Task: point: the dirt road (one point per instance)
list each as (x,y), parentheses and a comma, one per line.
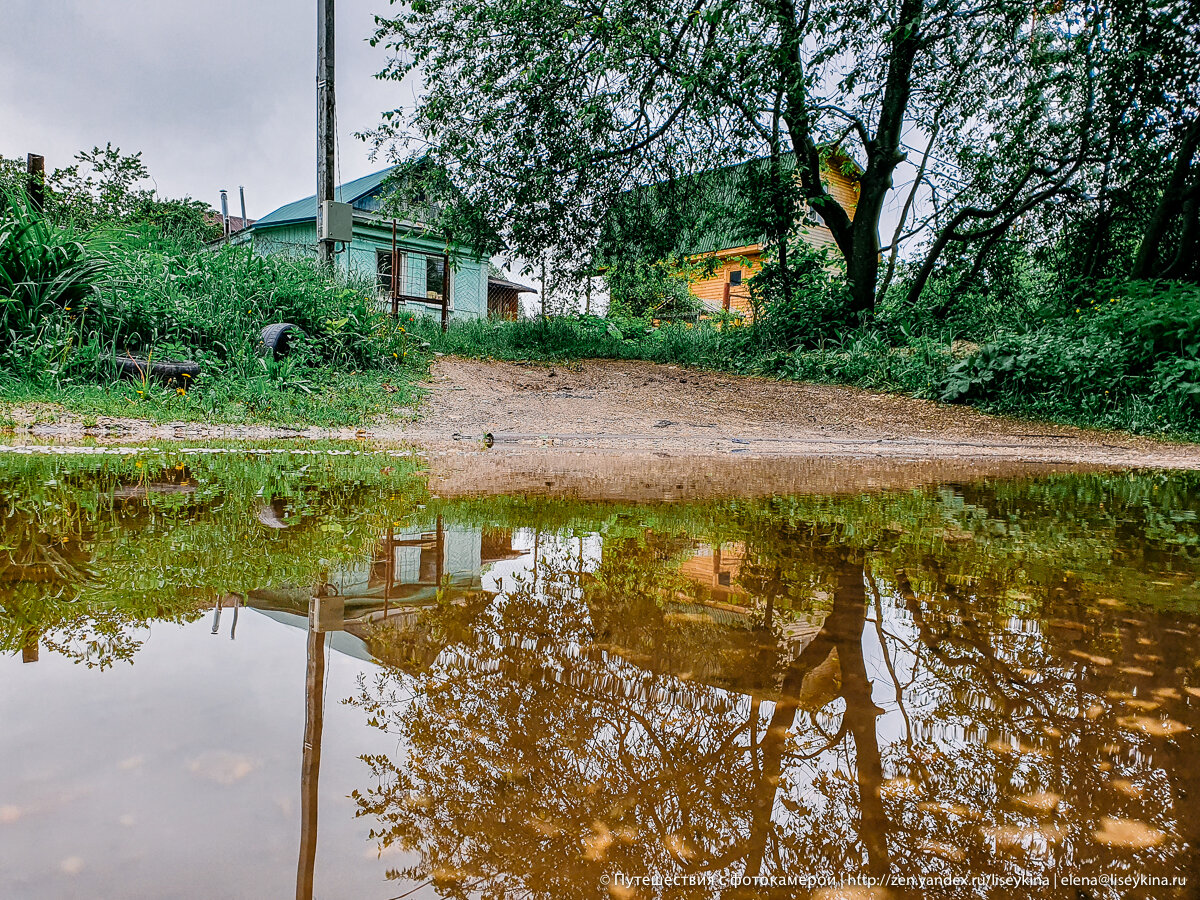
(610,405)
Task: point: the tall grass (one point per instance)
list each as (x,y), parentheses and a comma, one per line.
(72,304)
(48,274)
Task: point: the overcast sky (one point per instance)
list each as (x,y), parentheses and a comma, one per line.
(215,93)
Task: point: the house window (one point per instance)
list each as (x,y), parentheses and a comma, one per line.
(435,277)
(383,271)
(735,276)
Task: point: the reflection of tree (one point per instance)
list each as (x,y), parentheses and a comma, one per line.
(606,727)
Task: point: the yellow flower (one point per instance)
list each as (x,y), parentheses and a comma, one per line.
(181,392)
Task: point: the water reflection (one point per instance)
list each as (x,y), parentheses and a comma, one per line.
(994,679)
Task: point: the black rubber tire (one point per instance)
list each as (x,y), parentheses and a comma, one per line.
(277,340)
(177,371)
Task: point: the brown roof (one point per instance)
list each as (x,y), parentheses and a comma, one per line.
(236,223)
(493,281)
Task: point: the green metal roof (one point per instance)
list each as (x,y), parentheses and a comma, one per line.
(354,192)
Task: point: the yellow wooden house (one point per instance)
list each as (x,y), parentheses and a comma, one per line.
(724,259)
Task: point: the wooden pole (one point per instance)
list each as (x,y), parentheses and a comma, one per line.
(35,181)
(395,273)
(326,120)
(545,291)
(446,291)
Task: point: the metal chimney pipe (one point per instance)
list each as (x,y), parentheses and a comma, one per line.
(225,211)
(242,197)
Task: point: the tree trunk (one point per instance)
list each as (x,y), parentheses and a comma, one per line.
(1168,205)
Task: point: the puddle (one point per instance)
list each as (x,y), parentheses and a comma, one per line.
(270,671)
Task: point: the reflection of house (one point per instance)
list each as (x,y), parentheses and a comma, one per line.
(715,568)
(377,609)
(700,621)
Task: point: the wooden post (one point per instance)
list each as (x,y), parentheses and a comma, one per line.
(35,181)
(395,273)
(545,291)
(725,299)
(446,291)
(326,120)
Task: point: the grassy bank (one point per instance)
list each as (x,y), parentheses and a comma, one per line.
(1125,358)
(74,303)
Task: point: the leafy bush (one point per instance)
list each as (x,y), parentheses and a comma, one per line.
(813,309)
(48,276)
(1128,357)
(641,289)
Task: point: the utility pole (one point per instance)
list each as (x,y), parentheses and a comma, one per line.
(326,120)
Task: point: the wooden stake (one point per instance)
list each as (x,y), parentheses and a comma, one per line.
(35,181)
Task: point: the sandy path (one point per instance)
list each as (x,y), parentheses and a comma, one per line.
(615,406)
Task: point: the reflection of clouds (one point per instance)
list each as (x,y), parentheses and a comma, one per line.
(9,813)
(131,762)
(72,865)
(222,766)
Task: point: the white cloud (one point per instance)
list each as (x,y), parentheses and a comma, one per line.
(214,94)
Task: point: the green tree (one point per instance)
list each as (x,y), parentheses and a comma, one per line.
(548,111)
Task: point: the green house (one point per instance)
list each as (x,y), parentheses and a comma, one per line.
(427,264)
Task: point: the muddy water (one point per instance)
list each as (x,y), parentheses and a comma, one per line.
(256,673)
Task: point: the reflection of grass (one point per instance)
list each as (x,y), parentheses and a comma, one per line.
(1104,530)
(91,546)
(142,553)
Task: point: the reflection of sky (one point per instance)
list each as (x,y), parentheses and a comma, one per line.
(180,776)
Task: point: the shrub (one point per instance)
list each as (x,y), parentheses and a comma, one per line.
(1129,345)
(815,309)
(48,276)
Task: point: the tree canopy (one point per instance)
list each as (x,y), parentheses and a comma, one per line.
(970,121)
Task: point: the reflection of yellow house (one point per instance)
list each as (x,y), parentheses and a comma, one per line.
(715,569)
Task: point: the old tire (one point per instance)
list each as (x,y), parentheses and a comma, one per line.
(171,371)
(279,340)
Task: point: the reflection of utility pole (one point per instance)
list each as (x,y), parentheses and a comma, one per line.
(439,543)
(324,614)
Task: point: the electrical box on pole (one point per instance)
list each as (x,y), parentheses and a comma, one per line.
(336,222)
